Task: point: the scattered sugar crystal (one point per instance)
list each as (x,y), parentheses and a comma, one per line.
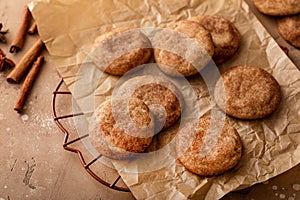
(282,196)
(274,187)
(7,129)
(291,198)
(296,187)
(24,118)
(276,194)
(2,117)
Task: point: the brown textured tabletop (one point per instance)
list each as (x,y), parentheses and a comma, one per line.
(33,164)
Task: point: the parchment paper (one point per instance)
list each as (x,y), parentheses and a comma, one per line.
(271,146)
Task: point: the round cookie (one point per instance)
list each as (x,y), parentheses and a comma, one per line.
(206,152)
(247,92)
(225,36)
(121,49)
(289,29)
(278,7)
(163,98)
(119,137)
(183,49)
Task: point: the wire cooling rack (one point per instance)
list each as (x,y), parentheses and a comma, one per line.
(114,184)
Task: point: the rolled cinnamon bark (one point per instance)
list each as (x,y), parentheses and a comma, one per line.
(33,29)
(25,63)
(19,40)
(28,83)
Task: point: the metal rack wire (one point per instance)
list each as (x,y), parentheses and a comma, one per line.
(67,142)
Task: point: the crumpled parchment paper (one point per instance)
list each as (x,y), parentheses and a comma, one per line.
(271,145)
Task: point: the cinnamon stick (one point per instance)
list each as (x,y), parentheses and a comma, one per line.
(28,83)
(19,40)
(25,63)
(33,29)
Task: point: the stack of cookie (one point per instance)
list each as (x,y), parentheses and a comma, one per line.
(289,17)
(123,126)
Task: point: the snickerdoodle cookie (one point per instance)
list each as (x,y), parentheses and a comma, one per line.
(225,36)
(208,147)
(247,92)
(278,7)
(121,49)
(289,28)
(119,132)
(183,49)
(163,98)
